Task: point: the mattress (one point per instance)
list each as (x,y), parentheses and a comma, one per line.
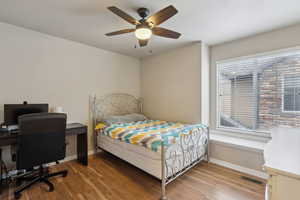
(139,156)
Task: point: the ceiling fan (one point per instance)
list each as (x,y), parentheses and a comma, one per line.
(145,27)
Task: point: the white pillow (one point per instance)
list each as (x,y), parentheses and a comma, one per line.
(124,118)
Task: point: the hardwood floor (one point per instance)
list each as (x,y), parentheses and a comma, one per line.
(109,178)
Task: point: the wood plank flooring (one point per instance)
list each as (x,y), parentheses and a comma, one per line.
(110,178)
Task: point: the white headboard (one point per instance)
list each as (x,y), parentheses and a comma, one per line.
(113,104)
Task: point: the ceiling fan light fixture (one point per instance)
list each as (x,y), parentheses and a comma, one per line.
(143,33)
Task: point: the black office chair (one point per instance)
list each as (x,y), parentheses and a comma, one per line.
(41,141)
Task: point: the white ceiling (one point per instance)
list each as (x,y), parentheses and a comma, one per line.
(212,21)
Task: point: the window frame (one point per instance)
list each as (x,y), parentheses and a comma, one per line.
(282,98)
(236,131)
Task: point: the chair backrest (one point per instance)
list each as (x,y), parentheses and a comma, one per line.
(41,139)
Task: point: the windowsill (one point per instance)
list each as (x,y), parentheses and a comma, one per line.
(241,143)
(246,134)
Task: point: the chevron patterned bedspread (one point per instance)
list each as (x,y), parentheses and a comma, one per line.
(149,133)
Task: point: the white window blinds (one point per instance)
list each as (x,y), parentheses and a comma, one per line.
(259,92)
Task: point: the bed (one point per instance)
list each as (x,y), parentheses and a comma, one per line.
(163,149)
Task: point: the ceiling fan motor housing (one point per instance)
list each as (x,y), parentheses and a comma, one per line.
(143,12)
(144,24)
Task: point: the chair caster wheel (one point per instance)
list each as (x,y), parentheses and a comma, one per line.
(51,189)
(65,174)
(18,183)
(18,195)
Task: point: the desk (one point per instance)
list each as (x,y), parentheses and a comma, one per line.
(80,130)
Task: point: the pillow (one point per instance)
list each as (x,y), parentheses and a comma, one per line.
(134,117)
(124,118)
(99,126)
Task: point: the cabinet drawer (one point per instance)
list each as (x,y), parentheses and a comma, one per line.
(285,188)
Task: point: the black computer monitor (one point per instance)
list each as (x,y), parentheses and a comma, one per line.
(13,111)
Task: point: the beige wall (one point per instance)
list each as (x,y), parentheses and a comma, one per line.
(171,85)
(236,155)
(40,68)
(274,40)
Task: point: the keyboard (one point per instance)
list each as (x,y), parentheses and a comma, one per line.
(12,127)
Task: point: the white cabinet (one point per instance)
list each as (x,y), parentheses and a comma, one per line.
(282,185)
(282,163)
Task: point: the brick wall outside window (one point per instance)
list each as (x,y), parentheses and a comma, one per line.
(271,94)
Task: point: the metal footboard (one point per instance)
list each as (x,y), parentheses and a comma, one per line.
(179,157)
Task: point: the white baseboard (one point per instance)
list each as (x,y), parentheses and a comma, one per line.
(240,168)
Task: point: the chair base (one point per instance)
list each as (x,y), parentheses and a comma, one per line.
(42,177)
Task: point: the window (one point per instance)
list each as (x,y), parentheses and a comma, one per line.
(291,91)
(258,93)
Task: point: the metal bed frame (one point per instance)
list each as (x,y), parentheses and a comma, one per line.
(189,150)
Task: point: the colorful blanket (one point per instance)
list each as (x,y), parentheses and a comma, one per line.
(149,133)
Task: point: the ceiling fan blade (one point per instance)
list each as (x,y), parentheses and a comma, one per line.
(143,43)
(120,32)
(163,32)
(123,15)
(162,15)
